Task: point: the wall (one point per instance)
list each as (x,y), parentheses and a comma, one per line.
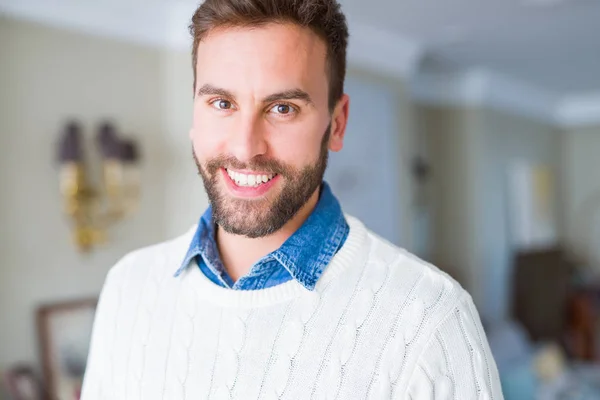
(582,192)
(46,76)
(452,147)
(508,138)
(470,151)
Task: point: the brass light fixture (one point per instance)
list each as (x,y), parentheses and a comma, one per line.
(92,209)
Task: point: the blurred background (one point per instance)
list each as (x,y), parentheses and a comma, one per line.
(474,142)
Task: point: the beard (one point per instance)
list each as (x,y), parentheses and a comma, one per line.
(261,217)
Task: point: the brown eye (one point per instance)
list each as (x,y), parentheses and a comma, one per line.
(283,109)
(224,104)
(221,104)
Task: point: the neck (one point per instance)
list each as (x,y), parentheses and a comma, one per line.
(239,253)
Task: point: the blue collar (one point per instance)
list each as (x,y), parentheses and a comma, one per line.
(304,255)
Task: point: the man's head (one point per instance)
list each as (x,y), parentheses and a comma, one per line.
(268,105)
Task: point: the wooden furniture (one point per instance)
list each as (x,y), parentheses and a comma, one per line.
(541,285)
(583,319)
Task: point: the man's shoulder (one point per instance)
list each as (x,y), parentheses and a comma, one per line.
(423,295)
(163,257)
(426,284)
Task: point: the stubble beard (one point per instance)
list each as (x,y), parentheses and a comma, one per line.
(264,216)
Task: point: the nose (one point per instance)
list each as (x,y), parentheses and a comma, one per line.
(248,139)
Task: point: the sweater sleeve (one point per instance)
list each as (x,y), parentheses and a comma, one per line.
(96,373)
(457,362)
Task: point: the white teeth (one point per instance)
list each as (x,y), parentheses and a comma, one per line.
(249,180)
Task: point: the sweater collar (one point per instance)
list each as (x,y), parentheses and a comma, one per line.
(352,254)
(304,255)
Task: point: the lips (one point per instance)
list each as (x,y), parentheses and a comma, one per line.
(243,179)
(247,185)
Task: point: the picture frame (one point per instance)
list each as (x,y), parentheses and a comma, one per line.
(64,334)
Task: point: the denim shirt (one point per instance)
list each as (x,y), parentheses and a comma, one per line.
(303,256)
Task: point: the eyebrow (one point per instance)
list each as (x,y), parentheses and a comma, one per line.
(298,94)
(293,94)
(208,89)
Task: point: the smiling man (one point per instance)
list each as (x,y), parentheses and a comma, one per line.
(276,293)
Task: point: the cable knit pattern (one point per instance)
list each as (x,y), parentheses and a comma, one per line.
(380,324)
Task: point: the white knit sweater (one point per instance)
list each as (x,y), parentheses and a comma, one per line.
(381,324)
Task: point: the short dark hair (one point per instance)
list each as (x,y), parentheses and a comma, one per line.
(323,17)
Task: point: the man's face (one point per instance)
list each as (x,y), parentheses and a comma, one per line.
(262,126)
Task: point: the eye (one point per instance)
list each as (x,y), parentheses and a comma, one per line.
(221,104)
(283,109)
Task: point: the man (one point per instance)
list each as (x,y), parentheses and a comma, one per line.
(276,293)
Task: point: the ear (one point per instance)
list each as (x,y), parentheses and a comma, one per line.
(339,121)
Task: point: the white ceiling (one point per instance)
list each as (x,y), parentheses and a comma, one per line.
(540,57)
(553,44)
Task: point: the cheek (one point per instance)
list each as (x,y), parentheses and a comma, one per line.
(207,136)
(297,149)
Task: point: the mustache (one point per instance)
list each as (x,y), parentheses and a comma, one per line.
(258,163)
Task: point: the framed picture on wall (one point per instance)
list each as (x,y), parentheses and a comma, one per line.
(532,206)
(64,332)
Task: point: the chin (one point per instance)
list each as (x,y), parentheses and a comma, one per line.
(246,220)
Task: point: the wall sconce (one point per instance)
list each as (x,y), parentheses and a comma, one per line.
(93,209)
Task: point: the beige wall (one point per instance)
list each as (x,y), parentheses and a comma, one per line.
(582,192)
(509,138)
(46,76)
(470,151)
(452,145)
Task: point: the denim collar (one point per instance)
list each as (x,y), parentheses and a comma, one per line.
(305,254)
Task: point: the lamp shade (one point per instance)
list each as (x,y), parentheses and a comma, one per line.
(129,151)
(108,141)
(70,145)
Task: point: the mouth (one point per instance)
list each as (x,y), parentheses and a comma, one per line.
(249,184)
(251,180)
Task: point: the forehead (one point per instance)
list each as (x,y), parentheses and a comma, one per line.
(263,59)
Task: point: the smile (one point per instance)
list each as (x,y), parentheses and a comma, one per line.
(248,179)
